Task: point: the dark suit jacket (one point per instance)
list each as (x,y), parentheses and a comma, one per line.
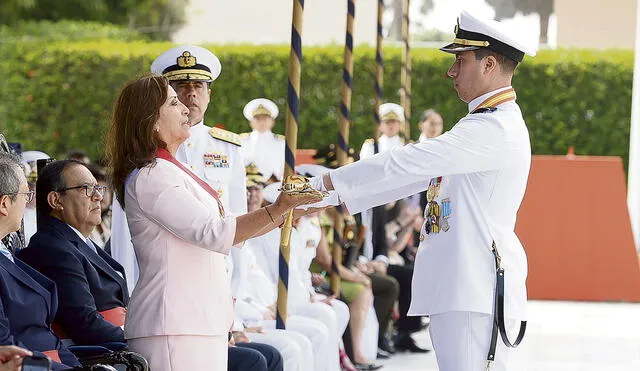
(88,282)
(28,304)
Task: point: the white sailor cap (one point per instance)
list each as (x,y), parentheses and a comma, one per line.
(187,62)
(391,111)
(33,156)
(473,33)
(260,106)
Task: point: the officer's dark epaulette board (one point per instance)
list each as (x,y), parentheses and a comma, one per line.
(226,136)
(484,110)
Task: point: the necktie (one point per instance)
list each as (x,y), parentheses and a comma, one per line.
(91,245)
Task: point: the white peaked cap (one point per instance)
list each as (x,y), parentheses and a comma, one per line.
(391,111)
(473,33)
(187,62)
(260,106)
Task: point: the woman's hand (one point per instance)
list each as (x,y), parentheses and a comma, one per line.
(289,200)
(363,279)
(11,357)
(317,279)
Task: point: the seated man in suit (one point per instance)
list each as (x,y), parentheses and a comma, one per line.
(28,300)
(91,285)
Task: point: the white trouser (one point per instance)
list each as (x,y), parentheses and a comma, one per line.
(461,341)
(369,340)
(313,330)
(295,348)
(342,312)
(327,316)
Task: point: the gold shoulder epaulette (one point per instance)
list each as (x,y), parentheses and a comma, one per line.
(244,135)
(279,136)
(226,136)
(369,141)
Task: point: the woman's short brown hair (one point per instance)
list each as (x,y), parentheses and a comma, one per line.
(131,141)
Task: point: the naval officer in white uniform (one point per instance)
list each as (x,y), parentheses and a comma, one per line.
(391,120)
(213,154)
(261,146)
(475,176)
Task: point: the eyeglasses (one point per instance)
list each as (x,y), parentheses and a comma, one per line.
(29,195)
(89,190)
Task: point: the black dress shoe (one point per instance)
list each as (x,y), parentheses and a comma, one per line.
(383,355)
(385,344)
(368,366)
(405,343)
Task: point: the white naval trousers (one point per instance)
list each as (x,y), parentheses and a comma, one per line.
(461,341)
(295,348)
(369,341)
(313,330)
(328,317)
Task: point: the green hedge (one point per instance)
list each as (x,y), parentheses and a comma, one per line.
(66,30)
(59,96)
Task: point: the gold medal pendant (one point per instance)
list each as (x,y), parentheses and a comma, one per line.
(434,188)
(433,218)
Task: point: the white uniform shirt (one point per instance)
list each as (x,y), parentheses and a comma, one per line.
(266,151)
(422,137)
(229,179)
(484,161)
(266,251)
(310,232)
(30,223)
(385,143)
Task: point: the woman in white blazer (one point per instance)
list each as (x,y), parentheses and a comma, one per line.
(181,309)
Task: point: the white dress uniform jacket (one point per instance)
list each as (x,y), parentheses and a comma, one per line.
(228,177)
(181,241)
(385,143)
(266,151)
(484,161)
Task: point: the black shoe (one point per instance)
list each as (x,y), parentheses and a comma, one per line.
(405,343)
(367,366)
(386,345)
(383,354)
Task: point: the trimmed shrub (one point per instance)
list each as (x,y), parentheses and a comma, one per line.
(59,96)
(66,30)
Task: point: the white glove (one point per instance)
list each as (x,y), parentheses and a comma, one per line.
(331,200)
(317,182)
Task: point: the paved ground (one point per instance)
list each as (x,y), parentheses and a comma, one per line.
(563,336)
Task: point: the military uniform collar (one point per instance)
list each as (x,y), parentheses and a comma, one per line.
(266,134)
(384,138)
(197,126)
(477,101)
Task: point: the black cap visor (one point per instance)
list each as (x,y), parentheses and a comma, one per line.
(454,48)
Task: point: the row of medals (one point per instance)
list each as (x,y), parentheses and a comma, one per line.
(436,215)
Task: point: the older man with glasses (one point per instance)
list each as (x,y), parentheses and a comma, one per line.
(92,288)
(27,299)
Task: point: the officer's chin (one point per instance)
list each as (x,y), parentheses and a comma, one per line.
(193,122)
